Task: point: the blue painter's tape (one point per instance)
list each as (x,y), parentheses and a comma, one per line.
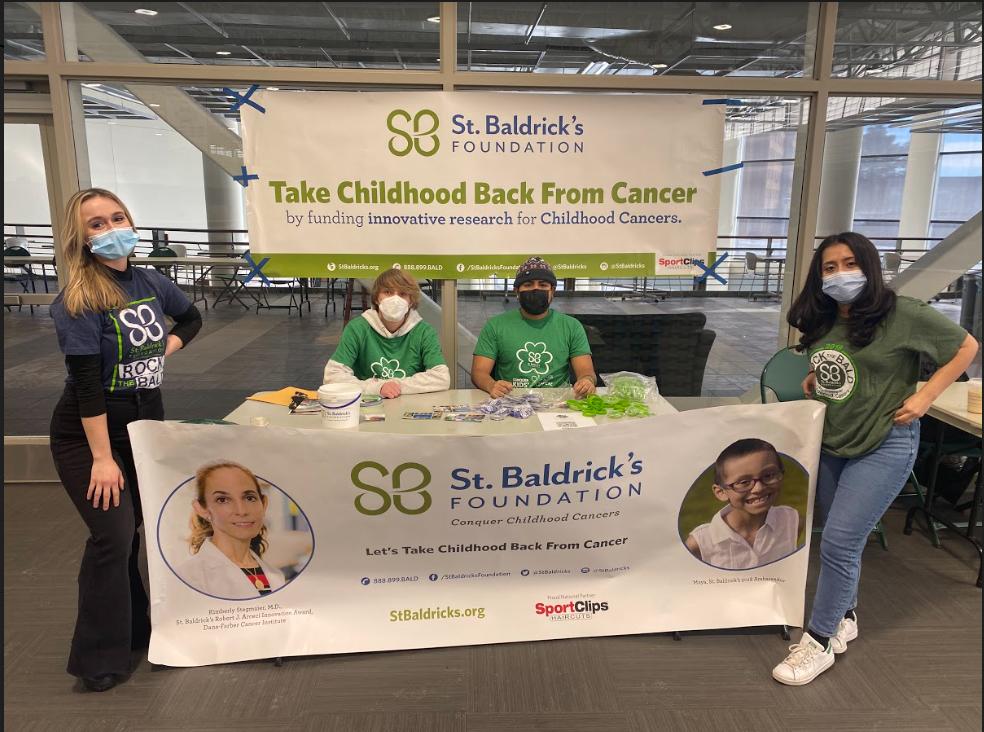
(244,98)
(709,271)
(256,267)
(244,178)
(725,102)
(725,169)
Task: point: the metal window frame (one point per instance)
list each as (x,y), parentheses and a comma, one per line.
(817,84)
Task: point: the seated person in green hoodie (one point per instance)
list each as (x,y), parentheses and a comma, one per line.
(390,350)
(533,347)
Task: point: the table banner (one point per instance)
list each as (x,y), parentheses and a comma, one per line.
(374,542)
(469,184)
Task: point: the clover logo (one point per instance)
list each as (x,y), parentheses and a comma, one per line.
(381,495)
(534,358)
(387,368)
(421,136)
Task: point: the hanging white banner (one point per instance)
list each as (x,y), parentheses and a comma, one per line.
(374,541)
(471,183)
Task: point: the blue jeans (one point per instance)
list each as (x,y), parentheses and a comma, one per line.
(852,495)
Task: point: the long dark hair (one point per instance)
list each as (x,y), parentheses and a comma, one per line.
(814,313)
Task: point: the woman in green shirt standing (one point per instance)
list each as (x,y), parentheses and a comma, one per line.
(864,344)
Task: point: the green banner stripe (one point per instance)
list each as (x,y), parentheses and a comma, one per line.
(459,267)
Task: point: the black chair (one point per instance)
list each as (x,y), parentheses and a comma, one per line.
(672,347)
(296,293)
(234,285)
(19,273)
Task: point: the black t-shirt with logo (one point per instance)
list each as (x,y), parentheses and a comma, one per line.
(131,339)
(864,387)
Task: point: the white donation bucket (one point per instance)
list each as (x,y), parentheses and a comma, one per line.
(340,405)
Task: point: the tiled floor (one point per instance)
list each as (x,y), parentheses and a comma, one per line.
(915,666)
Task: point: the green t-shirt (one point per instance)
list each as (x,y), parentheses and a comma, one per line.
(369,355)
(863,388)
(532,353)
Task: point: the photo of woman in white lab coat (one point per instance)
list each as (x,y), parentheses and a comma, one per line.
(229,535)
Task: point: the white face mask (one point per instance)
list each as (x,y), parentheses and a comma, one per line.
(845,287)
(393,308)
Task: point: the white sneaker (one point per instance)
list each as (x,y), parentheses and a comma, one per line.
(847,630)
(806,660)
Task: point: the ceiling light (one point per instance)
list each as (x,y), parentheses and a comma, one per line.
(434,19)
(722,26)
(273,88)
(153,105)
(659,66)
(144,11)
(223,53)
(158,134)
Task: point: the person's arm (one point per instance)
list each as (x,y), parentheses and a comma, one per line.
(176,305)
(692,545)
(186,326)
(810,384)
(481,376)
(339,373)
(437,378)
(919,403)
(105,478)
(585,380)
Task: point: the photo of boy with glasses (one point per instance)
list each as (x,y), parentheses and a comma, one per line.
(751,530)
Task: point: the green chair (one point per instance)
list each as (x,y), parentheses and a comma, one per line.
(783,376)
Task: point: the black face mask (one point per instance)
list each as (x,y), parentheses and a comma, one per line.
(535,302)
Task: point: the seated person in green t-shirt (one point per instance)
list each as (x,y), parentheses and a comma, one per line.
(533,347)
(390,350)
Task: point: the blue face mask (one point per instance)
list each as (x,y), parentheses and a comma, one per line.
(114,244)
(845,287)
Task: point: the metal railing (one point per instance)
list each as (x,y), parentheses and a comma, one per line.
(768,277)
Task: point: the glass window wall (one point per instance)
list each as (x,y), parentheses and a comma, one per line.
(22,36)
(908,40)
(313,35)
(622,39)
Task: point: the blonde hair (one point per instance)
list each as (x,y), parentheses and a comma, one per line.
(398,281)
(91,285)
(201,528)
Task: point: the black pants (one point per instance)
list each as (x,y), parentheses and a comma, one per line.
(112,616)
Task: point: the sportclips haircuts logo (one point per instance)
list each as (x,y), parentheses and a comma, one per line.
(572,610)
(413,132)
(409,499)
